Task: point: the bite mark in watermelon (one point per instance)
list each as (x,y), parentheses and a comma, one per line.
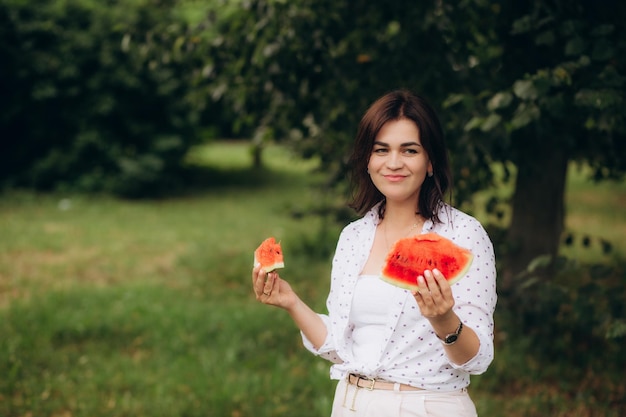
(270,255)
(413,255)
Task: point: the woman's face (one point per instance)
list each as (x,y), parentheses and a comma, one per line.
(399,164)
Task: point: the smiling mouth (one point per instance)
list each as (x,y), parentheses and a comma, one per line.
(394,178)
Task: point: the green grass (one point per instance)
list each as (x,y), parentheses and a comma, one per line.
(145,308)
(152,351)
(596,211)
(119,308)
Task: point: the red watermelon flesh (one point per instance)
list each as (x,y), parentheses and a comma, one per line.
(413,255)
(270,255)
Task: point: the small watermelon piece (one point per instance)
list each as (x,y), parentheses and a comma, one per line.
(413,255)
(270,255)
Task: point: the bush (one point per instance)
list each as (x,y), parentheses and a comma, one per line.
(563,322)
(569,312)
(98,96)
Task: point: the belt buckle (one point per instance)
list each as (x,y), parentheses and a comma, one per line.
(372,383)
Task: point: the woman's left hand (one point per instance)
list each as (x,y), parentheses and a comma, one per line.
(435,301)
(434,296)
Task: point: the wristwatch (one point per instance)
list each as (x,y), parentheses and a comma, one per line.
(451,338)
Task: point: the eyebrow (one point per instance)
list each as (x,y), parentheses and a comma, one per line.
(402,145)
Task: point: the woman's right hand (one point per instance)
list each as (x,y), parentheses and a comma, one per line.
(271,289)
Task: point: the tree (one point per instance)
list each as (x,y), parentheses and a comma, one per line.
(555,94)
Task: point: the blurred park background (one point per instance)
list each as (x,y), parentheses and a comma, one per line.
(148,146)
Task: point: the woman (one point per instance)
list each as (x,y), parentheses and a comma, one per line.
(397,352)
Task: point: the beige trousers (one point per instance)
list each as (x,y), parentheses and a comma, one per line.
(351,401)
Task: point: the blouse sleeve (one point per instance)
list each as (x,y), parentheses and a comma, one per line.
(475,294)
(327,350)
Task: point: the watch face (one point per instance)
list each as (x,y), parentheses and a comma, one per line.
(451,338)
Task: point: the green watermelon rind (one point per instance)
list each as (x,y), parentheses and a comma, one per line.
(273,267)
(401,284)
(468,257)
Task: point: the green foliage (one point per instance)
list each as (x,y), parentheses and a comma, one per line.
(580,310)
(545,86)
(307,69)
(557,81)
(564,329)
(111,96)
(96,95)
(510,79)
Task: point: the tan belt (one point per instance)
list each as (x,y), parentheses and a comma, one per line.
(372,384)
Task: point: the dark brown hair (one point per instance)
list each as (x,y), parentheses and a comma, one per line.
(396,105)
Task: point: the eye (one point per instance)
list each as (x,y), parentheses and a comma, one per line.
(379,150)
(411,151)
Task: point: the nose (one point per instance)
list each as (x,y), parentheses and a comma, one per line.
(394,161)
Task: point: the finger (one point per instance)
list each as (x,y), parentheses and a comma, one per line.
(268,286)
(442,283)
(256,272)
(423,293)
(431,282)
(422,285)
(443,297)
(424,298)
(258,281)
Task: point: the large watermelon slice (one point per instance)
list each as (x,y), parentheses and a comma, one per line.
(270,255)
(411,256)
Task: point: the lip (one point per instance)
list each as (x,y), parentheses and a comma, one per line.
(394,178)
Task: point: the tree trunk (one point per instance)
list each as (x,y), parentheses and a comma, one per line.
(257,151)
(538,208)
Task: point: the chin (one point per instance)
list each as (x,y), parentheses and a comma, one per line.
(403,198)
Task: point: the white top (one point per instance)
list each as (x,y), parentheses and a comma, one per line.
(410,352)
(368,317)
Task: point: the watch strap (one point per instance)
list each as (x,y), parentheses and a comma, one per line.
(451,338)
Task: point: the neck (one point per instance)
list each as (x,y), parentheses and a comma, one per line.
(401,216)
